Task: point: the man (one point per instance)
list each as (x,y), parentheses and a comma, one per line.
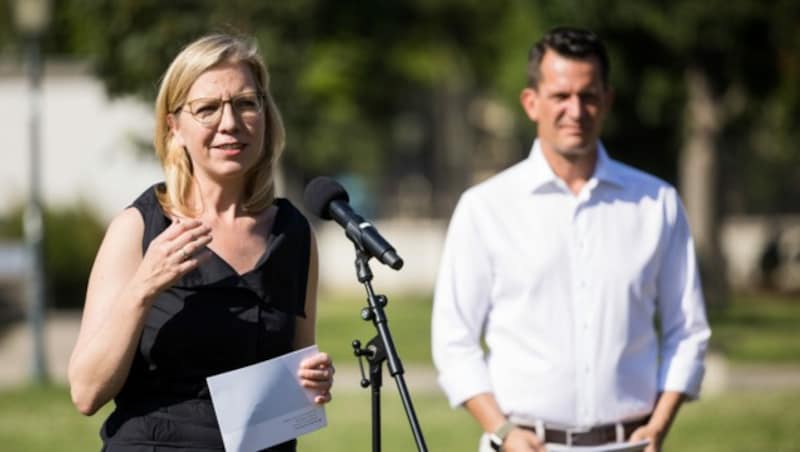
(560,264)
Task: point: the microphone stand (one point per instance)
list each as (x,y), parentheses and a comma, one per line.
(379,349)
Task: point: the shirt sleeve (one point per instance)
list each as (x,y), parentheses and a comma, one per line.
(685,330)
(461,303)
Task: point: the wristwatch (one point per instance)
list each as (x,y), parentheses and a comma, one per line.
(497,438)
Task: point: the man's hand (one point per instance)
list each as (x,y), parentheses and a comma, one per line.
(667,406)
(650,433)
(521,440)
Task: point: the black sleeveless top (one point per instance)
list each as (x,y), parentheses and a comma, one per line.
(212,320)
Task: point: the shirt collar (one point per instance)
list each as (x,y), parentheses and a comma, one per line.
(541,174)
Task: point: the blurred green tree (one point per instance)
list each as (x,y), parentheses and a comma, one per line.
(719,80)
(378,87)
(388,88)
(342,72)
(420,95)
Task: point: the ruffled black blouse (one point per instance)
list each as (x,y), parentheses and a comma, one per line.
(211,321)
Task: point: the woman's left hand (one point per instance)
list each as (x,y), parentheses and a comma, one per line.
(316,372)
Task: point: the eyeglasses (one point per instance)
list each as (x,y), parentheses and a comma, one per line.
(208,110)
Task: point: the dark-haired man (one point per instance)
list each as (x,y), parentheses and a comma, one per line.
(560,264)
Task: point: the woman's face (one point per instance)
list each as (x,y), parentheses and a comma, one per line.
(221,124)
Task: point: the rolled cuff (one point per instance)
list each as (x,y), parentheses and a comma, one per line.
(682,377)
(464,382)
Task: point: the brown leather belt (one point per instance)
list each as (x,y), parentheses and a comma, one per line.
(601,434)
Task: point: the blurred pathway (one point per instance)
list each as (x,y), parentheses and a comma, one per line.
(62,330)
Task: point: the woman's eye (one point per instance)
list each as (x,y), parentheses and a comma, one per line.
(246,104)
(206,109)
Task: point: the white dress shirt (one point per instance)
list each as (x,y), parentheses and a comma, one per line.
(564,290)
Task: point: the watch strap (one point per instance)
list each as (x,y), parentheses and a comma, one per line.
(497,437)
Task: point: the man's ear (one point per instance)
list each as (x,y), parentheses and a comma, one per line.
(610,94)
(529,98)
(172,122)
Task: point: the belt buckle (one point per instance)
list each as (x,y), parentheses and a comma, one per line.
(577,431)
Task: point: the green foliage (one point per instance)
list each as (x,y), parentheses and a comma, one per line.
(341,70)
(344,72)
(6,26)
(72,236)
(751,55)
(11,225)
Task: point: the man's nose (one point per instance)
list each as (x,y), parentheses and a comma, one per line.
(575,106)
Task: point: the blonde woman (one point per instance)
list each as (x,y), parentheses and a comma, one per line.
(203,273)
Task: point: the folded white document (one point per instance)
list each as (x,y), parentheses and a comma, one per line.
(637,446)
(264,404)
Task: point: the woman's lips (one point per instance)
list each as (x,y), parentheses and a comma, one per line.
(230,148)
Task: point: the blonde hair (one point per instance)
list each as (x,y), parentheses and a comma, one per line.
(195,59)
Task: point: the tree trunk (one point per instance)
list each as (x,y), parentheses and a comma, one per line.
(698,177)
(452,144)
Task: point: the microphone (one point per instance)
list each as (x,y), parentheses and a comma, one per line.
(327,199)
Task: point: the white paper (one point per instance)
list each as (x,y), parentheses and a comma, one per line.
(264,404)
(637,446)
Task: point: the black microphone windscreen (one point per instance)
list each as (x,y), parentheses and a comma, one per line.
(320,192)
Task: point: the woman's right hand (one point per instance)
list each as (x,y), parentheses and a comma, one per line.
(172,254)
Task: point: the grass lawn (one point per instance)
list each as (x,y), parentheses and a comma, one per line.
(750,421)
(757,329)
(339,322)
(751,330)
(42,419)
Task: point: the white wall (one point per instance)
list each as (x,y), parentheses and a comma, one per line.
(86,147)
(418,242)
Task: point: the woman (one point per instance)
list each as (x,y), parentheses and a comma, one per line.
(205,273)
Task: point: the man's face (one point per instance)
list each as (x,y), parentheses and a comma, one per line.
(569,105)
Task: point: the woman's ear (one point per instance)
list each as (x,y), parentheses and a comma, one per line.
(174,130)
